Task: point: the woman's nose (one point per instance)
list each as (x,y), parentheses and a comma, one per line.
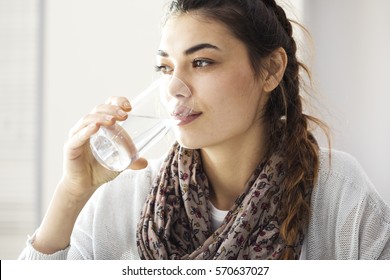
(177,88)
(177,97)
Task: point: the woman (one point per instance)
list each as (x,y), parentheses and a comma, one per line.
(246,178)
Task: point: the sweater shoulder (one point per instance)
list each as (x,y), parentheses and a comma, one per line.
(338,163)
(132,182)
(345,209)
(340,172)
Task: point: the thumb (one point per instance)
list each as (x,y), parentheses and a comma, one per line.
(140,163)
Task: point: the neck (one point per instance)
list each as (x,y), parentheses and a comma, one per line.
(229,166)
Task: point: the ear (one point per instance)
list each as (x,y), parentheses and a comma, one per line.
(274,70)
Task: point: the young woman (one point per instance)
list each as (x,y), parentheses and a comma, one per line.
(246,178)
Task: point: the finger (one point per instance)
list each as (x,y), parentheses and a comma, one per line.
(104,114)
(140,163)
(120,101)
(99,119)
(113,110)
(75,143)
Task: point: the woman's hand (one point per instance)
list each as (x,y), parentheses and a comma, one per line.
(82,173)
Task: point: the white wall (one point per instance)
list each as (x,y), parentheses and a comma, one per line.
(19,123)
(352,71)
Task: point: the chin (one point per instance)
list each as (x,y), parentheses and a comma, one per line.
(188,144)
(187,141)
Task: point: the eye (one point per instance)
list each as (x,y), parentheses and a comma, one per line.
(201,62)
(164,69)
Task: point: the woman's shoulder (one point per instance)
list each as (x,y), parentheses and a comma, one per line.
(349,219)
(338,163)
(338,168)
(344,187)
(340,175)
(134,183)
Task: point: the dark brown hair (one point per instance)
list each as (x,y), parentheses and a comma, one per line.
(263,27)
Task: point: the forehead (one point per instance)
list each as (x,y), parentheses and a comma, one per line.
(185,30)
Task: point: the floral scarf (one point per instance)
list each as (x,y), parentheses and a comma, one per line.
(175,221)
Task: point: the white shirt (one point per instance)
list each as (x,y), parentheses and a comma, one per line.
(349,220)
(216,216)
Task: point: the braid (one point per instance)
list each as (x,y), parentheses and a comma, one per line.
(281,15)
(289,123)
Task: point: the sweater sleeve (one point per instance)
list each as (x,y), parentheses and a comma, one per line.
(81,241)
(29,252)
(105,228)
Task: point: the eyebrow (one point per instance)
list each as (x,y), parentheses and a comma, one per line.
(200,47)
(191,50)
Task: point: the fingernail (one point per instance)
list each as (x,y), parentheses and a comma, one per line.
(122,113)
(127,105)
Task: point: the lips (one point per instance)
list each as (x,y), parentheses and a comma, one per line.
(183,119)
(182,111)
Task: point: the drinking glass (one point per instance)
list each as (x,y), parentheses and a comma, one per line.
(154,112)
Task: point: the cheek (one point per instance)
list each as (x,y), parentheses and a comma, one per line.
(223,119)
(231,106)
(236,96)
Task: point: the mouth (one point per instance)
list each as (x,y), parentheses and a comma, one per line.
(181,111)
(183,118)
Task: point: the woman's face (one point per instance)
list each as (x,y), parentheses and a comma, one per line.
(215,66)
